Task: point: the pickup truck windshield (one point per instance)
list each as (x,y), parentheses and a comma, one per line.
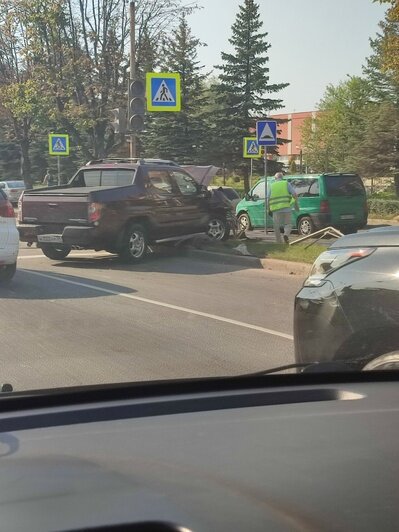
(104,178)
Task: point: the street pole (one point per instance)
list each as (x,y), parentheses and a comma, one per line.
(300,161)
(266,209)
(251,174)
(133,145)
(59,169)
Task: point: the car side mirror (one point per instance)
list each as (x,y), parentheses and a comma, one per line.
(255,197)
(204,192)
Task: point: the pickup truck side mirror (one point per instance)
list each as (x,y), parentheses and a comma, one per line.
(204,192)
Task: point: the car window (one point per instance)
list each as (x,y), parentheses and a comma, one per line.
(305,188)
(116,178)
(230,193)
(160,180)
(344,185)
(259,190)
(16,184)
(185,183)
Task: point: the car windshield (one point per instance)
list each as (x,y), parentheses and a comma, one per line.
(196,189)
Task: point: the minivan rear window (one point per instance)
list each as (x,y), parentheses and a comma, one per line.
(344,185)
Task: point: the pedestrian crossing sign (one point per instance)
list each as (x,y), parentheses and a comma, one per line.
(251,148)
(58,144)
(163,91)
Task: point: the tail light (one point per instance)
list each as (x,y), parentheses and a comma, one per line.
(95,212)
(6,210)
(324,206)
(333,259)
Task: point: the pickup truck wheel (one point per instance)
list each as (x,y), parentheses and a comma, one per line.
(134,245)
(55,252)
(218,229)
(7,272)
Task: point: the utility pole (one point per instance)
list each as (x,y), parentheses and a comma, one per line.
(133,145)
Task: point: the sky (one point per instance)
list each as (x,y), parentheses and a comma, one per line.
(314,42)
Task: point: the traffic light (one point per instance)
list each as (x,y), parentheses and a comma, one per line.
(136,105)
(119,120)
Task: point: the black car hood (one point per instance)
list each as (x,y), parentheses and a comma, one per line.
(381,236)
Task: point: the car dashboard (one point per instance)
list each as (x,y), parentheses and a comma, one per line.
(288,452)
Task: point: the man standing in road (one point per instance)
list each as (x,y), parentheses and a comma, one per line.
(279,196)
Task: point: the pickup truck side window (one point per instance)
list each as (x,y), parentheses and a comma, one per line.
(185,183)
(160,181)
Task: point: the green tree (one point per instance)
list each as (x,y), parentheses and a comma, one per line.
(180,135)
(292,168)
(244,91)
(329,140)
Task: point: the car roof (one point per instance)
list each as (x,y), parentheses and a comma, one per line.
(127,163)
(380,236)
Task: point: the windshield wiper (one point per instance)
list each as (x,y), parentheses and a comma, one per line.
(313,367)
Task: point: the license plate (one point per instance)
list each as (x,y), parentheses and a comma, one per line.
(347,216)
(50,238)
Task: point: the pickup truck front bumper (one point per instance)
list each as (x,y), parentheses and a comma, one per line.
(71,235)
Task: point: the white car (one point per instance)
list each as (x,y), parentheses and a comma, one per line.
(13,190)
(9,239)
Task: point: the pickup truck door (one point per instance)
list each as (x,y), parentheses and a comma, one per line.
(166,205)
(195,209)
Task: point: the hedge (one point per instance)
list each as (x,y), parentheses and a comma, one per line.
(382,208)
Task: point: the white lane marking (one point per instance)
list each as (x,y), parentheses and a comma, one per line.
(164,305)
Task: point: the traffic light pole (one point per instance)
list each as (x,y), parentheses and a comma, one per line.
(133,144)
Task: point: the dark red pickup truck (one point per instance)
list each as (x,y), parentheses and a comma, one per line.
(120,206)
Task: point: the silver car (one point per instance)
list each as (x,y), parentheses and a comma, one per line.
(13,190)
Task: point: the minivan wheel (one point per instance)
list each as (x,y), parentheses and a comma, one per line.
(7,272)
(305,226)
(244,223)
(55,251)
(134,244)
(218,229)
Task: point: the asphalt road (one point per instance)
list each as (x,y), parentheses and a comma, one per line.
(90,319)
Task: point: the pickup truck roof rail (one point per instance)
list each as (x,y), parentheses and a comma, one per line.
(135,160)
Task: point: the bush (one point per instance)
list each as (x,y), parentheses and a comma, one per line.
(383,208)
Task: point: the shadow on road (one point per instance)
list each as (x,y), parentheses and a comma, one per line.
(28,285)
(170,261)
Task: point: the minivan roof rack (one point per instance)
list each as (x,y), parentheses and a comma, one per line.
(134,160)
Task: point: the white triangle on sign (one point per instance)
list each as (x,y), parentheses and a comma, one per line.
(253,148)
(59,145)
(163,94)
(267,133)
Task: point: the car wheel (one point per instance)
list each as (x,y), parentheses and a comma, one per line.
(218,229)
(244,223)
(55,251)
(135,243)
(305,226)
(349,230)
(7,272)
(388,361)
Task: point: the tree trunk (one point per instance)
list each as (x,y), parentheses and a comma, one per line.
(396,181)
(26,170)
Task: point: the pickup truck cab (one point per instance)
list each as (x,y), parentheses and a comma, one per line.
(121,206)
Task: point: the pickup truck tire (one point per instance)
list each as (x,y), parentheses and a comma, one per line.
(134,244)
(55,252)
(218,229)
(7,272)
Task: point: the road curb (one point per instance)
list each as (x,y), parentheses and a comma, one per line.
(276,265)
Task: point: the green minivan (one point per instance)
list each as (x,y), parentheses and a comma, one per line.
(327,199)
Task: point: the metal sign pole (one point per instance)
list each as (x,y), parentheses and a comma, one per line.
(59,169)
(133,141)
(266,209)
(250,175)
